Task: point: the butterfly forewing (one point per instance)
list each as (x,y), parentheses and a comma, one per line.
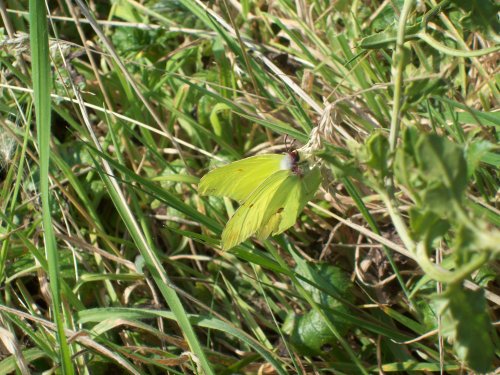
(239,179)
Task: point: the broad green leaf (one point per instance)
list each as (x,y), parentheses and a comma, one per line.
(444,165)
(425,224)
(434,169)
(335,284)
(466,324)
(310,333)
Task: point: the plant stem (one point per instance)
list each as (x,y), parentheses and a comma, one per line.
(442,275)
(398,59)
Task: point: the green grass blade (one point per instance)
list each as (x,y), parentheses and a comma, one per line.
(42,88)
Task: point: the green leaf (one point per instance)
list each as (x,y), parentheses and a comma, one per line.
(475,152)
(388,16)
(479,15)
(333,283)
(434,169)
(466,324)
(310,333)
(375,152)
(41,77)
(491,159)
(485,275)
(426,224)
(443,162)
(421,89)
(107,317)
(470,115)
(405,162)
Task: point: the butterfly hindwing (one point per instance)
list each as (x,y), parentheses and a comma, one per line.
(239,179)
(294,192)
(257,209)
(298,196)
(280,205)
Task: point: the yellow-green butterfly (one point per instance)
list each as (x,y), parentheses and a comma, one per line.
(272,190)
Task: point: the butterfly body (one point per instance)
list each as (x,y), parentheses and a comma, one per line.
(272,190)
(291,161)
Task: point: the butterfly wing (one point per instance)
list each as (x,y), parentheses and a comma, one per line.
(239,179)
(272,208)
(290,198)
(256,211)
(301,193)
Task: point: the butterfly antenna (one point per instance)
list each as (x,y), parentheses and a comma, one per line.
(286,139)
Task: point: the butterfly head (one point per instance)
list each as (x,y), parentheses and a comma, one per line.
(291,161)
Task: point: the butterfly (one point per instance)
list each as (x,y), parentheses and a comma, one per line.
(272,190)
